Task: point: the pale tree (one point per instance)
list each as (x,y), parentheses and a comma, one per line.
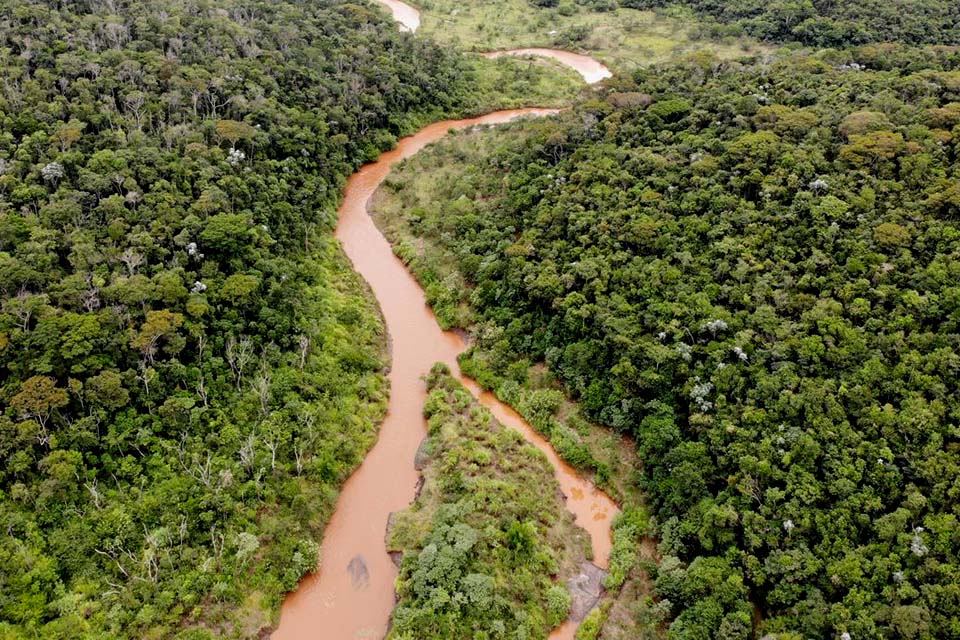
(304,343)
(304,442)
(261,386)
(134,103)
(67,133)
(248,451)
(25,306)
(239,354)
(132,259)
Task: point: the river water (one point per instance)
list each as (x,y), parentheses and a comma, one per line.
(408,17)
(352,594)
(590,69)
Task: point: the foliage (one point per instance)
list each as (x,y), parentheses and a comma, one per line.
(514,82)
(628,529)
(758,282)
(487,534)
(539,408)
(591,625)
(829,24)
(623,38)
(188,368)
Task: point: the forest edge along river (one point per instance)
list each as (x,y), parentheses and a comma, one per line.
(351,595)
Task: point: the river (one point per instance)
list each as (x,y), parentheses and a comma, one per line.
(351,595)
(407,17)
(590,69)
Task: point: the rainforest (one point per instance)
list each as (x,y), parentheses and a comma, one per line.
(512,319)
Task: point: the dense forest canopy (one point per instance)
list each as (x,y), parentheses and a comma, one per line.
(188,368)
(829,23)
(752,269)
(749,267)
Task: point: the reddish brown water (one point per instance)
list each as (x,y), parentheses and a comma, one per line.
(352,593)
(592,70)
(407,16)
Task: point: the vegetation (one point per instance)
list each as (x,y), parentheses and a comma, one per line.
(828,23)
(177,326)
(751,269)
(487,544)
(511,82)
(622,37)
(595,451)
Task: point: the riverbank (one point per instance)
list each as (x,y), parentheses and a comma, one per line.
(590,69)
(412,209)
(352,593)
(491,513)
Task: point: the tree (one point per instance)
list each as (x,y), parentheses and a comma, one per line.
(37,399)
(67,134)
(106,388)
(157,326)
(871,149)
(227,233)
(890,235)
(233,131)
(861,122)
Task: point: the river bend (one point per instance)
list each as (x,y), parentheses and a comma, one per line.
(351,595)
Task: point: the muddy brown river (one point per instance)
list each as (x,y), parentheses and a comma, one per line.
(352,593)
(408,17)
(590,69)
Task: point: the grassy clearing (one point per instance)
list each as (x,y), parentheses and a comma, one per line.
(509,83)
(622,38)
